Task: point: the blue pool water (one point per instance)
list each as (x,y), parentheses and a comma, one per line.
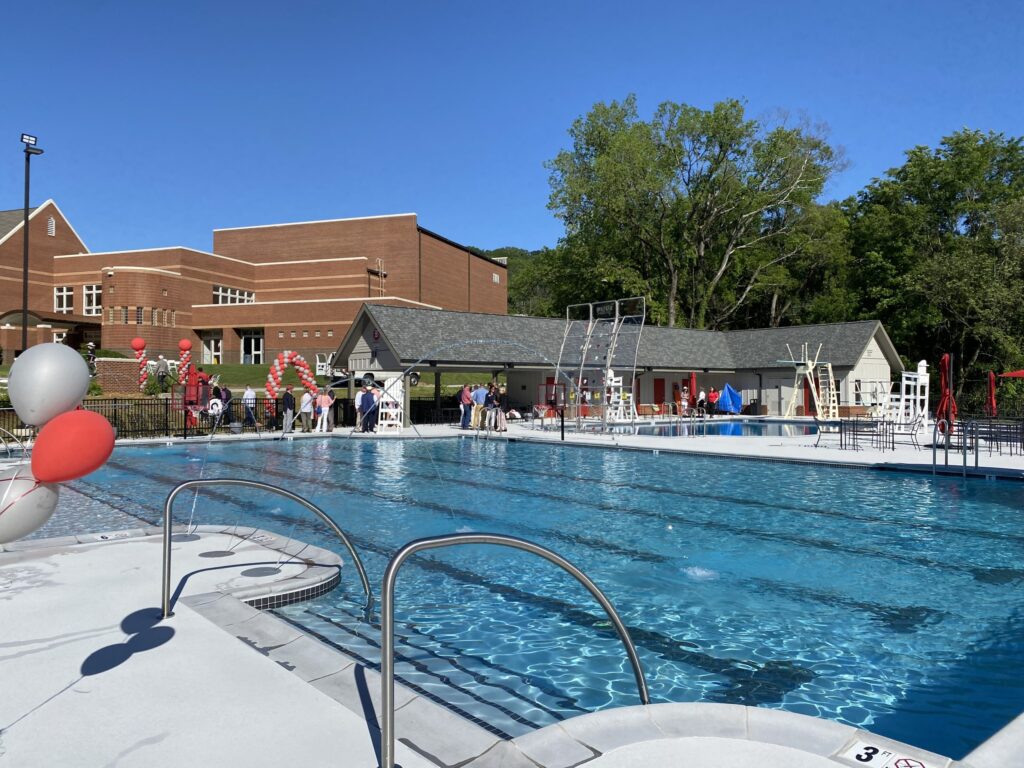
(721,427)
(883,600)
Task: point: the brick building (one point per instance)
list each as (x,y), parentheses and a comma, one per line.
(262,290)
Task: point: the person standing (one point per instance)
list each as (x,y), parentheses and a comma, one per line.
(249,402)
(163,372)
(466,400)
(288,403)
(502,409)
(330,410)
(478,397)
(712,402)
(702,400)
(491,406)
(323,405)
(306,411)
(368,406)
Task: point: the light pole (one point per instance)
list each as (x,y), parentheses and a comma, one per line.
(30,149)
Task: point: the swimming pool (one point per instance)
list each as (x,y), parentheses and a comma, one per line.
(884,600)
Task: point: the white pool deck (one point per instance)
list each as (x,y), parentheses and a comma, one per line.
(88,680)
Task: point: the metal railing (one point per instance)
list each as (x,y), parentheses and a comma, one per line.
(4,434)
(387,620)
(165,594)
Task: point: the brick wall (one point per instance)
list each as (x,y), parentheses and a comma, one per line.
(117,375)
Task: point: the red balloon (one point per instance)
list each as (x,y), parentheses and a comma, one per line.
(138,344)
(71,445)
(184,345)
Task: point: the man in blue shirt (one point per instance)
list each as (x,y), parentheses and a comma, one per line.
(479,396)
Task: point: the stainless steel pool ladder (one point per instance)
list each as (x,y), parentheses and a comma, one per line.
(967,430)
(165,602)
(4,434)
(387,620)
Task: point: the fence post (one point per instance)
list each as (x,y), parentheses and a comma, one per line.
(167,417)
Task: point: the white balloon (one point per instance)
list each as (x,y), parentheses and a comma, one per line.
(25,504)
(45,381)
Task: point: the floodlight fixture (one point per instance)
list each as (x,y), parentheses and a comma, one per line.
(29,140)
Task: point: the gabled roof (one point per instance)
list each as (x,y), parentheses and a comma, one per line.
(10,219)
(471,338)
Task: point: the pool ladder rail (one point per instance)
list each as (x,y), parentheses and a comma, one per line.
(165,597)
(387,613)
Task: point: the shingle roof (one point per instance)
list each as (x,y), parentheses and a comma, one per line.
(10,219)
(445,336)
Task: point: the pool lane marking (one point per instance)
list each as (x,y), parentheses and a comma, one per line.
(739,672)
(980,573)
(822,511)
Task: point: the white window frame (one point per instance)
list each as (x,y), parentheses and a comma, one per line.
(92,300)
(63,299)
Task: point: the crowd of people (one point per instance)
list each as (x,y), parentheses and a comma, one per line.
(484,406)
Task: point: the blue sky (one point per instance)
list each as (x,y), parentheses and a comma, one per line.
(162,121)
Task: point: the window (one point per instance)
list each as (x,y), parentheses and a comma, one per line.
(293,334)
(495,277)
(305,334)
(124,315)
(317,334)
(163,292)
(156,317)
(223,295)
(58,337)
(51,227)
(110,316)
(92,300)
(330,334)
(280,334)
(139,315)
(64,299)
(167,317)
(174,318)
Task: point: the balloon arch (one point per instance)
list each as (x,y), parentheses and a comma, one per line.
(277,368)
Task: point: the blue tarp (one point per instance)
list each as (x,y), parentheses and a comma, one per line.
(730,401)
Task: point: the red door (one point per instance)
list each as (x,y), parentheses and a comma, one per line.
(659,391)
(809,409)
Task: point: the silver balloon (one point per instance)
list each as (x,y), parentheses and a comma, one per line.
(25,504)
(45,381)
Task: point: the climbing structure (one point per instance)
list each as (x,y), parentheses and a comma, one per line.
(601,338)
(392,410)
(820,380)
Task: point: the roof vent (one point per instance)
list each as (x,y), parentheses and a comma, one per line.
(51,227)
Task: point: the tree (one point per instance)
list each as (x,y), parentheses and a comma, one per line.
(684,202)
(937,256)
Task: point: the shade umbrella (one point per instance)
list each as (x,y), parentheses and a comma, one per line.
(947,405)
(693,390)
(1012,375)
(990,404)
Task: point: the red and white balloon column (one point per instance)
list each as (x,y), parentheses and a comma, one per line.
(139,346)
(277,368)
(46,386)
(185,360)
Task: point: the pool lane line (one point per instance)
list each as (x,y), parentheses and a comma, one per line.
(742,501)
(996,575)
(895,617)
(737,671)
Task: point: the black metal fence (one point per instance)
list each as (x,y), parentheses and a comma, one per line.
(134,417)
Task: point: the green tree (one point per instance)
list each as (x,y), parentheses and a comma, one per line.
(937,252)
(678,207)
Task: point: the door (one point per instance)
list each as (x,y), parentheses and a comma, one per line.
(659,391)
(212,346)
(252,347)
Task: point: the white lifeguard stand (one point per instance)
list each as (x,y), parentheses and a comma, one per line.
(912,399)
(620,398)
(820,381)
(392,410)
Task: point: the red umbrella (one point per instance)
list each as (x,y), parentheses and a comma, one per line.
(1012,375)
(990,405)
(947,405)
(693,390)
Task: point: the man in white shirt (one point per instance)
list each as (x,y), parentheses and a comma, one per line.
(249,401)
(306,411)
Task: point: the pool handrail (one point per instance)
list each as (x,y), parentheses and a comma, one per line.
(165,601)
(387,619)
(935,439)
(24,450)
